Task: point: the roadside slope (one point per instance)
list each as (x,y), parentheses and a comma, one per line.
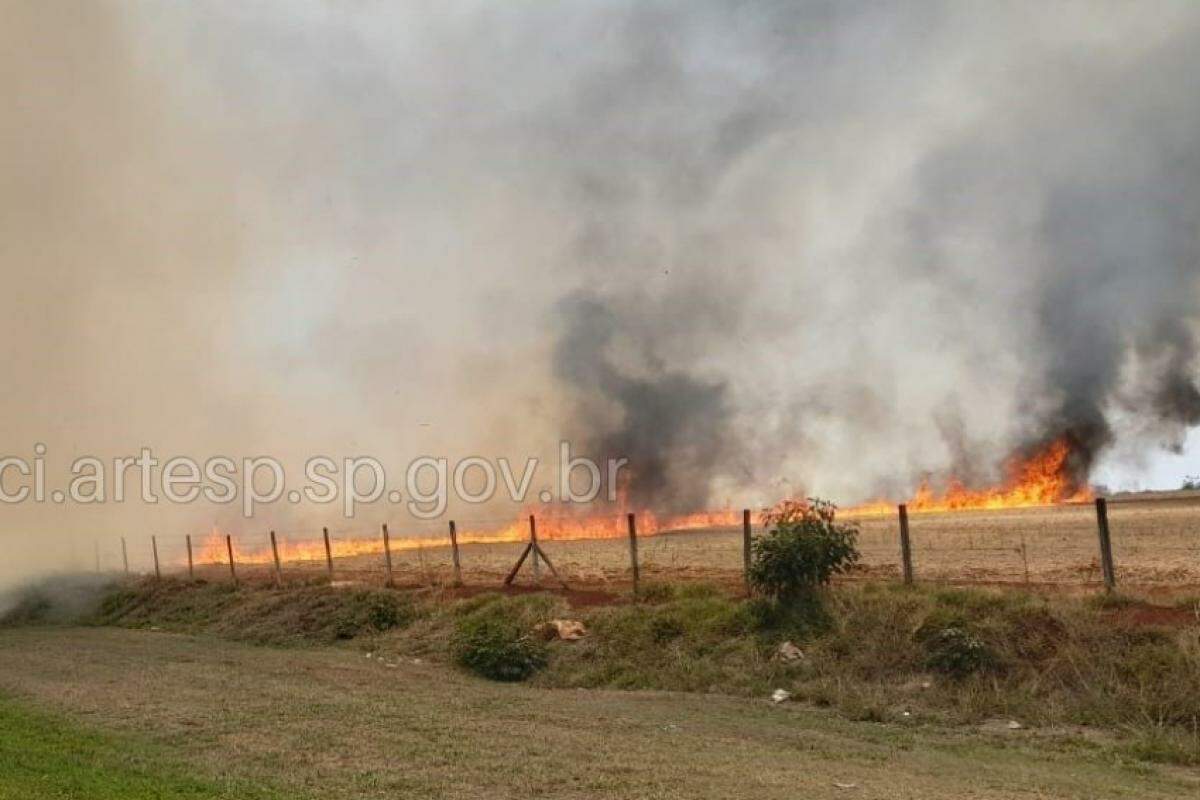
(337,724)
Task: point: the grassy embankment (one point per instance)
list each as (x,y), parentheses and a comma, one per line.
(1113,671)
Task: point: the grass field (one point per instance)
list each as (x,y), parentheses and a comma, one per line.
(45,756)
(329,723)
(1156,543)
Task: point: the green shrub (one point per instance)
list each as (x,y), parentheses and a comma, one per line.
(804,547)
(31,609)
(666,627)
(371,611)
(956,651)
(498,647)
(801,617)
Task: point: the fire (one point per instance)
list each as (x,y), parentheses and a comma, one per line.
(1043,479)
(551,525)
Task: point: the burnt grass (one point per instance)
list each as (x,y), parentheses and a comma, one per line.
(1106,671)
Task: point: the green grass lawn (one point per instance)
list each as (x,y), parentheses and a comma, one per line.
(43,757)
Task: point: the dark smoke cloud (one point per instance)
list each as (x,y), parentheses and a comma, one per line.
(1050,237)
(672,426)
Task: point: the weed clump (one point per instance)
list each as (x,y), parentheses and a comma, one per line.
(495,640)
(956,652)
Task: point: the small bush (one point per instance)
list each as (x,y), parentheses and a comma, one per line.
(498,647)
(801,617)
(957,652)
(666,627)
(31,609)
(804,547)
(371,611)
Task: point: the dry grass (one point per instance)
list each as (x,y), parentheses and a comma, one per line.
(1156,544)
(331,723)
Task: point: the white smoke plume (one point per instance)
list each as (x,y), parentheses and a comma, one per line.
(759,248)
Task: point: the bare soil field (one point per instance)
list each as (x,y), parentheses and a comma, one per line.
(329,723)
(1156,545)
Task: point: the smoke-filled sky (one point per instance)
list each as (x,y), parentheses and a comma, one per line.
(760,248)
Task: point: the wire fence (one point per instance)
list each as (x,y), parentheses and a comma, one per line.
(1151,544)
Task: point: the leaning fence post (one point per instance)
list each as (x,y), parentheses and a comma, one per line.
(191,565)
(275,555)
(124,555)
(232,565)
(633,555)
(905,546)
(154,547)
(1106,556)
(746,556)
(454,554)
(328,553)
(387,554)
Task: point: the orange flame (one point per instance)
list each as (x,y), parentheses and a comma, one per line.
(1043,479)
(551,524)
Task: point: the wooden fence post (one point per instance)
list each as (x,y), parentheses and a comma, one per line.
(124,555)
(191,565)
(232,565)
(454,554)
(154,547)
(328,553)
(1025,558)
(387,555)
(746,555)
(275,555)
(905,546)
(533,547)
(537,567)
(633,554)
(1106,556)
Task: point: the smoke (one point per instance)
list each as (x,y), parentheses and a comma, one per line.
(1029,237)
(670,425)
(756,248)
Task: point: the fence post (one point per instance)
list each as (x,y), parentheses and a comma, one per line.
(275,555)
(1025,558)
(232,566)
(746,556)
(633,555)
(905,546)
(537,567)
(191,566)
(328,553)
(154,547)
(124,555)
(1106,556)
(387,554)
(454,554)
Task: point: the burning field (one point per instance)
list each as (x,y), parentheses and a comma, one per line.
(1155,544)
(1036,527)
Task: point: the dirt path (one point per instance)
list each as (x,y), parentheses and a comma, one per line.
(337,724)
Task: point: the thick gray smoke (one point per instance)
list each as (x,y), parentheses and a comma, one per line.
(1042,238)
(758,248)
